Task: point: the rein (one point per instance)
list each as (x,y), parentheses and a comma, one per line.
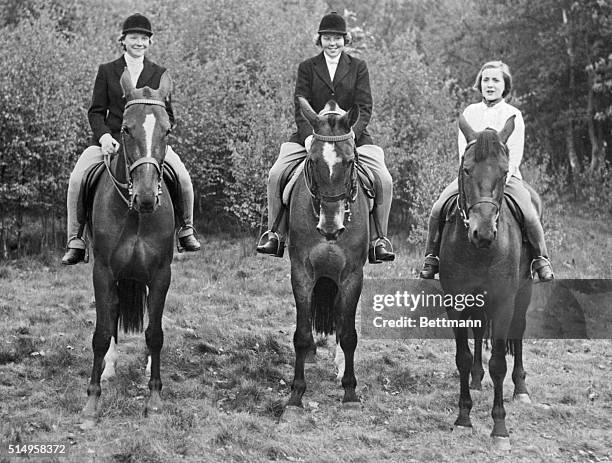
(121,186)
(462,203)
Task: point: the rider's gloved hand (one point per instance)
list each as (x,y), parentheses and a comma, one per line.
(307,143)
(109,144)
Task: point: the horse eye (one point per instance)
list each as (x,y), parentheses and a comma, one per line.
(169,131)
(466,171)
(125,129)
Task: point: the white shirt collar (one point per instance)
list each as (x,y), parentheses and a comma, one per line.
(136,62)
(329,60)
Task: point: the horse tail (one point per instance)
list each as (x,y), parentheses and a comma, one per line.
(132,303)
(323,303)
(487,338)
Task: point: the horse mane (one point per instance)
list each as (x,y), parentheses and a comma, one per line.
(146,92)
(487,143)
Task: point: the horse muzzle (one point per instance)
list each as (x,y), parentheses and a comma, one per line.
(145,204)
(482,233)
(331,220)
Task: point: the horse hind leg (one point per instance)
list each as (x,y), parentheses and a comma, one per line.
(477,371)
(339,362)
(521,394)
(110,361)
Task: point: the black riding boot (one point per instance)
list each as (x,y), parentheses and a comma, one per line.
(431,265)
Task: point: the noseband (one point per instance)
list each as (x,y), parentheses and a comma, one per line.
(349,194)
(140,161)
(462,204)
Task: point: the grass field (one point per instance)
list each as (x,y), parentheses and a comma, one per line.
(227,366)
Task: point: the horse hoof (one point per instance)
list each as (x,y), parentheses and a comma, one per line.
(351,406)
(501,443)
(522,398)
(476,387)
(291,414)
(462,430)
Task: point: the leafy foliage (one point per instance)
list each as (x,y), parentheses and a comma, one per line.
(233,65)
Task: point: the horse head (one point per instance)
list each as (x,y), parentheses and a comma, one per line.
(145,128)
(330,171)
(482,177)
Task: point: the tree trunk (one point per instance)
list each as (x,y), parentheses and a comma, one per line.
(569,134)
(598,151)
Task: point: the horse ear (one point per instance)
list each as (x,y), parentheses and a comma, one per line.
(353,115)
(126,84)
(508,129)
(307,111)
(468,132)
(165,85)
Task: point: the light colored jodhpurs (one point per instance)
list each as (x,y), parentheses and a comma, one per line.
(93,155)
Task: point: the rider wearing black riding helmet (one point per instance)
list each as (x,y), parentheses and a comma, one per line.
(105,118)
(331,75)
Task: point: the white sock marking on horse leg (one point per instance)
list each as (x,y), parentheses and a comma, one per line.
(110,361)
(148,369)
(149,125)
(331,157)
(339,362)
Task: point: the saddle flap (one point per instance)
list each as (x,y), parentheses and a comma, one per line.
(87,191)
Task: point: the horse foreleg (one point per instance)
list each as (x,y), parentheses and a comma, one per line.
(518,374)
(477,371)
(302,343)
(154,336)
(464,361)
(345,310)
(106,303)
(497,370)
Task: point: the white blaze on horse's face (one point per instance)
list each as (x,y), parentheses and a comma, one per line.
(330,157)
(148,126)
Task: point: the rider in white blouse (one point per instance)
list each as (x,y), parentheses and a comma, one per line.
(494,83)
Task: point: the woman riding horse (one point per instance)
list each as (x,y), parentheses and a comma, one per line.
(331,75)
(494,82)
(106,117)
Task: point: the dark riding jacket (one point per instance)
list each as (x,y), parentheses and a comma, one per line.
(351,85)
(107,103)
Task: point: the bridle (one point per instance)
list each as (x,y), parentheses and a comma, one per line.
(350,187)
(462,204)
(129,168)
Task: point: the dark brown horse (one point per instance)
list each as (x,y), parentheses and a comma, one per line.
(133,235)
(328,244)
(483,253)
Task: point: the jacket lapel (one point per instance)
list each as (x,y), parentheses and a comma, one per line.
(146,74)
(119,66)
(320,67)
(343,68)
